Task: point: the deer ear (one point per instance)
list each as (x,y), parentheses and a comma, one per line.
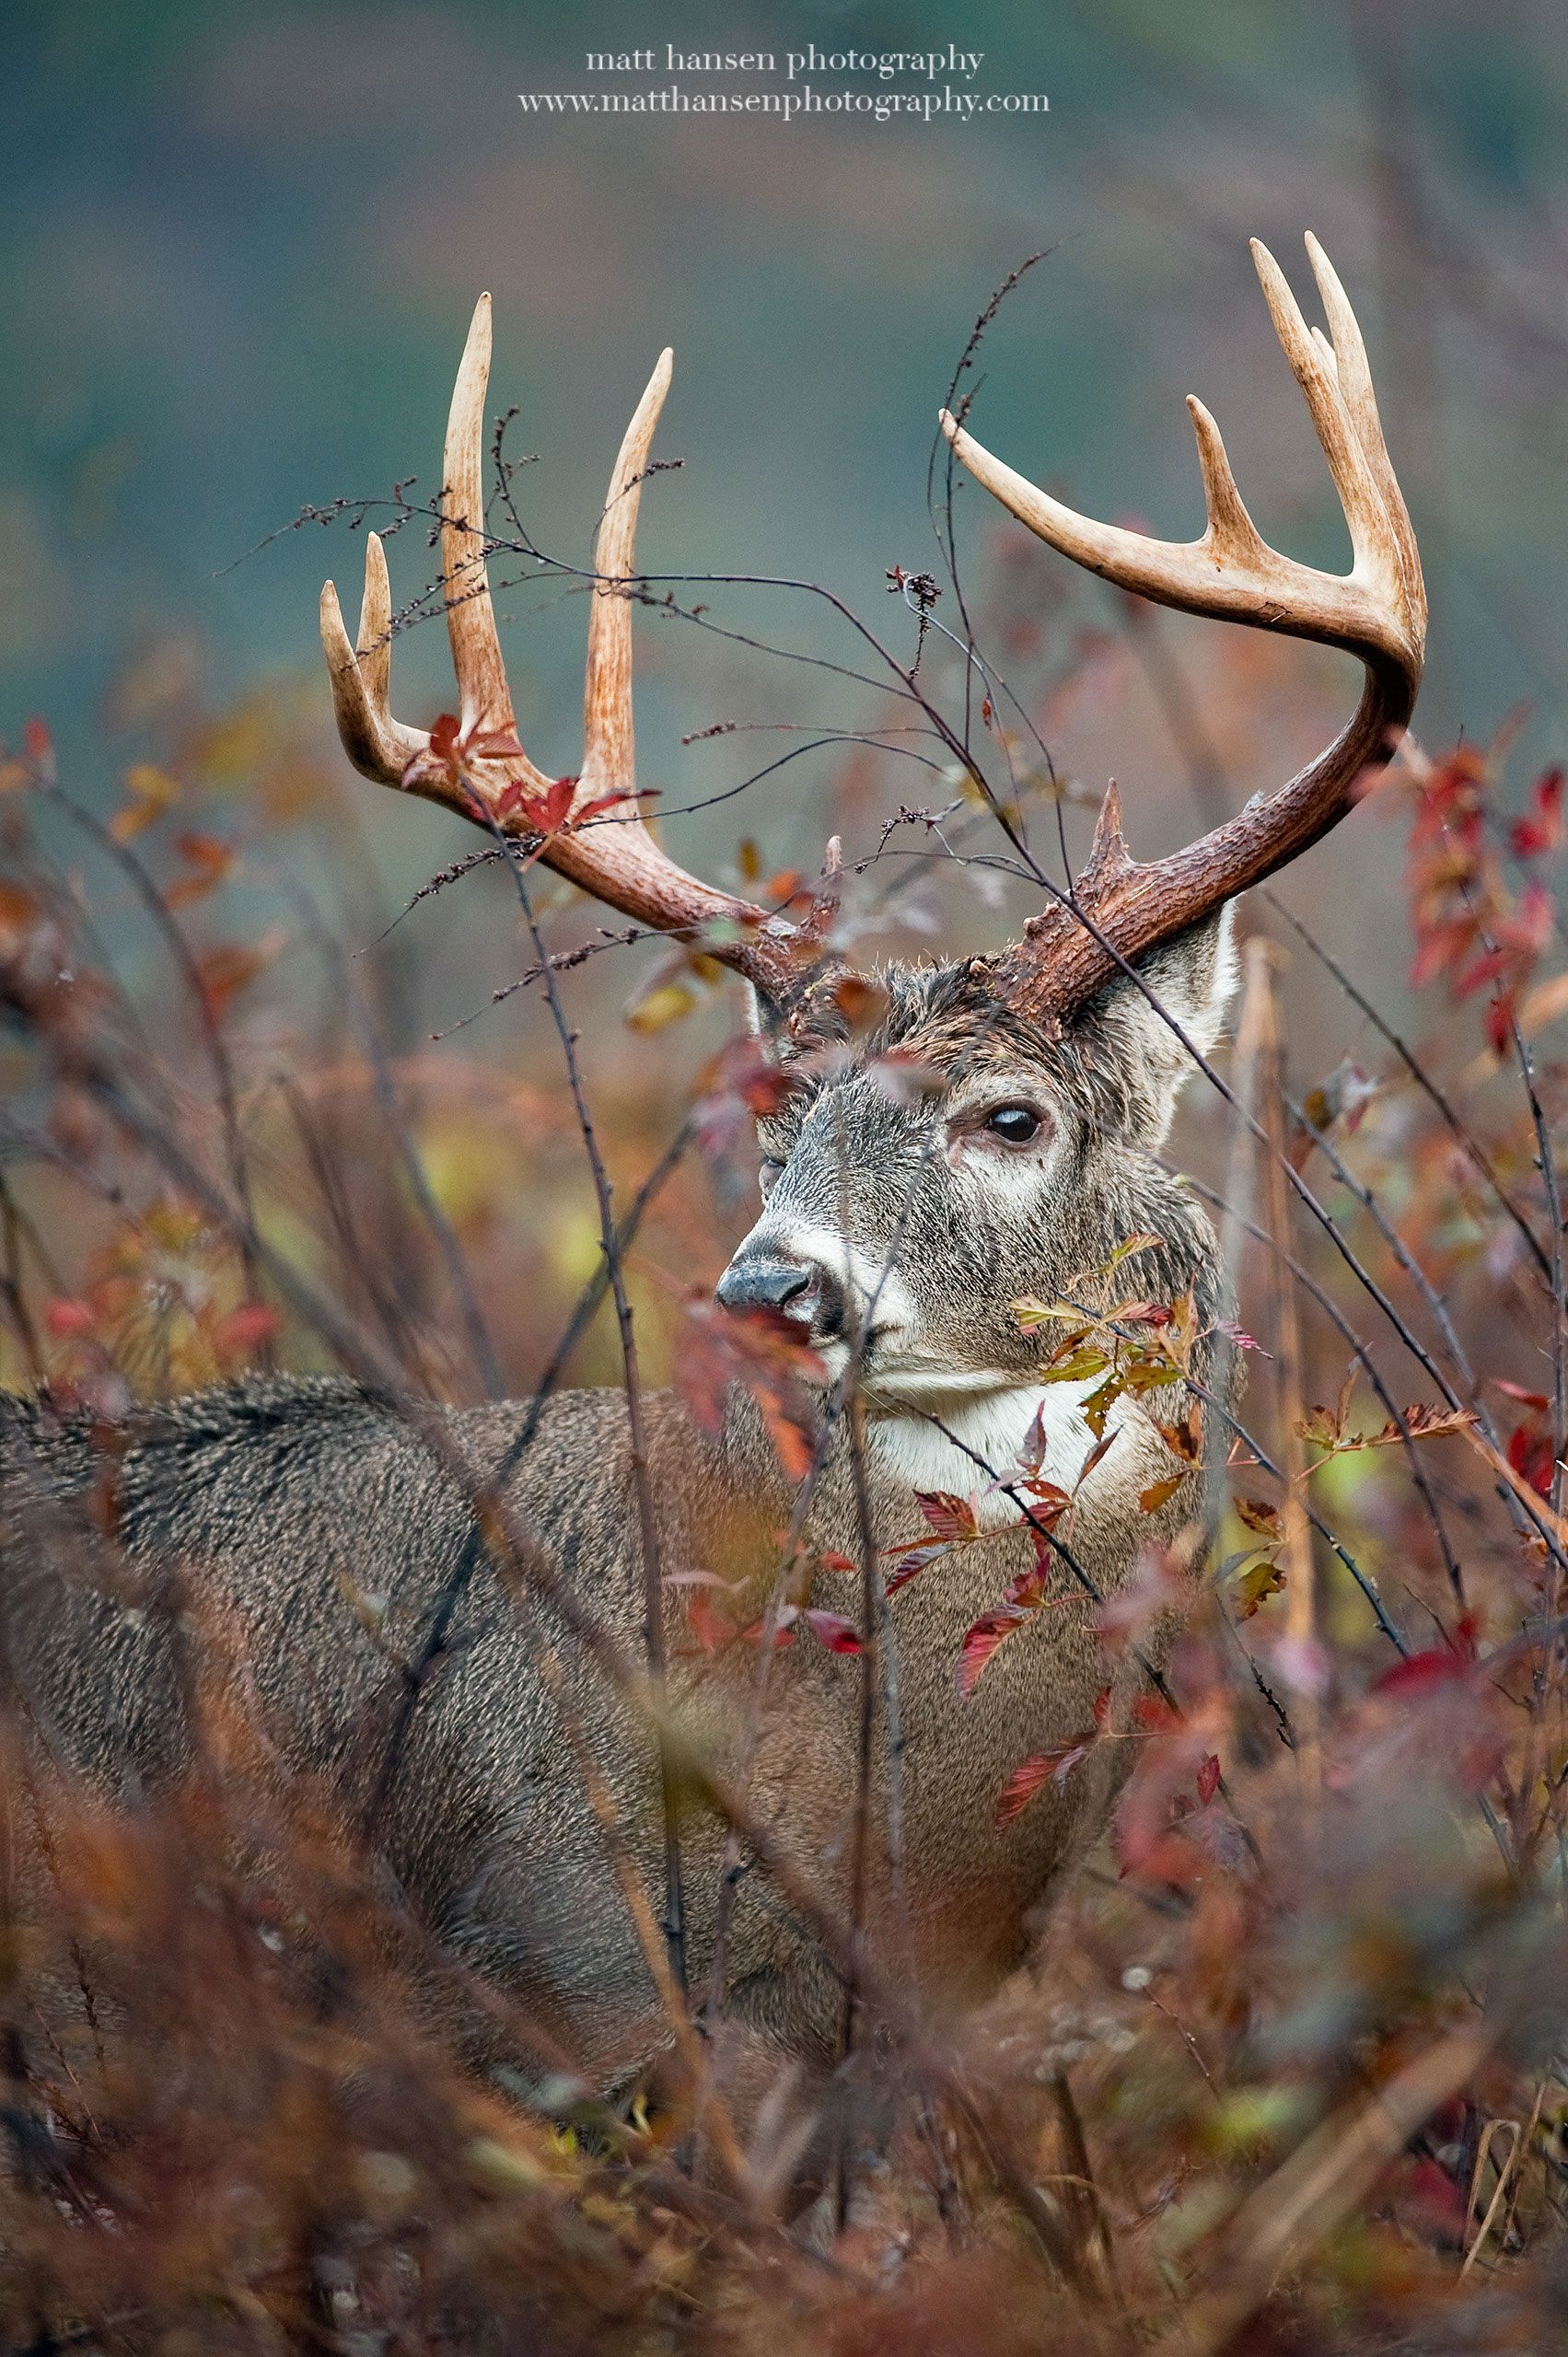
(1132,1057)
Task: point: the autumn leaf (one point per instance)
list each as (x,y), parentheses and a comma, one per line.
(246,1329)
(1100,1401)
(69,1320)
(1077,1367)
(233,966)
(1103,1447)
(1421,1422)
(709,1627)
(833,1631)
(1541,829)
(1140,1242)
(951,1517)
(1032,1775)
(210,862)
(1185,1439)
(1142,1313)
(766,1353)
(1239,1336)
(861,1003)
(151,790)
(1531,1455)
(1252,1576)
(1160,1493)
(912,1561)
(1438,1665)
(1024,1596)
(661,1003)
(1032,1312)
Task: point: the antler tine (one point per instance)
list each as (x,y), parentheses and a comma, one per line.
(1353,374)
(379,746)
(1360,495)
(608,764)
(1377,611)
(470,618)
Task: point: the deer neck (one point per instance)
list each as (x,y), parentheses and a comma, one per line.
(931,1440)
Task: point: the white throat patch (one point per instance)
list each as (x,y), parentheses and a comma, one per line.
(995,1423)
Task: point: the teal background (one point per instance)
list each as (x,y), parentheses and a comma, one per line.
(243,241)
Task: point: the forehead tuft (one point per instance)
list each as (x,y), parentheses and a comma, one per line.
(947,1017)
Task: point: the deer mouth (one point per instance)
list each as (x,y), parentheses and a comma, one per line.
(897,1381)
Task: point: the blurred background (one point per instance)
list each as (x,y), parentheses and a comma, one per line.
(238,1079)
(244,245)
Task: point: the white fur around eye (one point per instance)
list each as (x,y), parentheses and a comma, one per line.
(998,1172)
(1017,1178)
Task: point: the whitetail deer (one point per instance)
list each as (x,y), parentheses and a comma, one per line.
(897,1231)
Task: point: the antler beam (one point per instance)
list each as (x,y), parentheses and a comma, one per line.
(1377,611)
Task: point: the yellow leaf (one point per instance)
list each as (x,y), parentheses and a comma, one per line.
(151,790)
(663,1004)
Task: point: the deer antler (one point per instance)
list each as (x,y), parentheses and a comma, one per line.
(1377,611)
(602,844)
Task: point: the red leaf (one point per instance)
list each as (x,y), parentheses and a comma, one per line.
(1500,1023)
(246,1329)
(1537,1399)
(913,1562)
(833,1632)
(36,738)
(766,1353)
(495,745)
(1439,1666)
(1238,1335)
(69,1319)
(557,803)
(602,802)
(210,860)
(1031,1776)
(1542,830)
(950,1517)
(993,1629)
(712,1631)
(1529,1454)
(1208,1778)
(1028,1589)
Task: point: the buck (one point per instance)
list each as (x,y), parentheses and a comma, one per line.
(898,1226)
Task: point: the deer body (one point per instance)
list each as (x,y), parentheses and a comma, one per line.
(990,1133)
(280,1508)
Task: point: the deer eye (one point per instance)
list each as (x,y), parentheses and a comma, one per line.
(1014,1124)
(767,1176)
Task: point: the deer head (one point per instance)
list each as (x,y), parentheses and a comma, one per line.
(1038,1080)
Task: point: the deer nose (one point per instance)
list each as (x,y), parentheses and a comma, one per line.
(756,1281)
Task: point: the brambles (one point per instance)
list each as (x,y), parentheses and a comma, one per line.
(1289,2056)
